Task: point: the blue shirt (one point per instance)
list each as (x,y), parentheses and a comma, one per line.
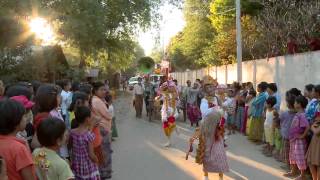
(311,110)
(258,105)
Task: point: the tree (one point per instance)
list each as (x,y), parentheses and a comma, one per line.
(280,18)
(198,32)
(186,49)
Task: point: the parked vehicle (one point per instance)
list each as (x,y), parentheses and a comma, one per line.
(132,81)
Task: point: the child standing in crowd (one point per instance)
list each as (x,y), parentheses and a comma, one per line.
(308,92)
(66,99)
(256,125)
(286,118)
(297,135)
(78,99)
(111,111)
(23,95)
(51,135)
(269,125)
(272,90)
(14,151)
(27,105)
(229,106)
(277,136)
(81,139)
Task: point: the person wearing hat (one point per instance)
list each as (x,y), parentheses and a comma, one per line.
(23,94)
(27,104)
(210,99)
(169,112)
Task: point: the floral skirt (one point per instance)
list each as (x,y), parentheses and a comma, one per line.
(256,129)
(169,126)
(215,158)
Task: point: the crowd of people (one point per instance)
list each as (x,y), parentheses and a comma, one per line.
(65,131)
(289,134)
(56,131)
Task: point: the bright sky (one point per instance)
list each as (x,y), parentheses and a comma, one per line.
(171,24)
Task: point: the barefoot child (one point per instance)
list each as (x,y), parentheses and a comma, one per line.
(285,124)
(297,135)
(269,126)
(51,135)
(111,111)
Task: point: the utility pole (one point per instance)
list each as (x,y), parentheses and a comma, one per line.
(239,41)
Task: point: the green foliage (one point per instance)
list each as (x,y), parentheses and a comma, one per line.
(98,33)
(157,54)
(209,37)
(280,18)
(187,48)
(146,64)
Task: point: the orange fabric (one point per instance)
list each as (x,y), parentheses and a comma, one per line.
(16,155)
(97,137)
(100,110)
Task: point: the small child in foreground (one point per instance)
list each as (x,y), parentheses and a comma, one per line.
(84,161)
(52,134)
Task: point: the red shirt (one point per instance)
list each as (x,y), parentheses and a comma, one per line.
(16,155)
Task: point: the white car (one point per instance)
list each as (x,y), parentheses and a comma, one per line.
(132,81)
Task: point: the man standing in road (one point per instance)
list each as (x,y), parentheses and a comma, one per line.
(138,97)
(148,92)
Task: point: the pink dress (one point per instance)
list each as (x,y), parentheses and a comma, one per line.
(298,147)
(82,166)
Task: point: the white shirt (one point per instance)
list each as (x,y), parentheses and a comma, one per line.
(138,89)
(204,106)
(269,119)
(66,99)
